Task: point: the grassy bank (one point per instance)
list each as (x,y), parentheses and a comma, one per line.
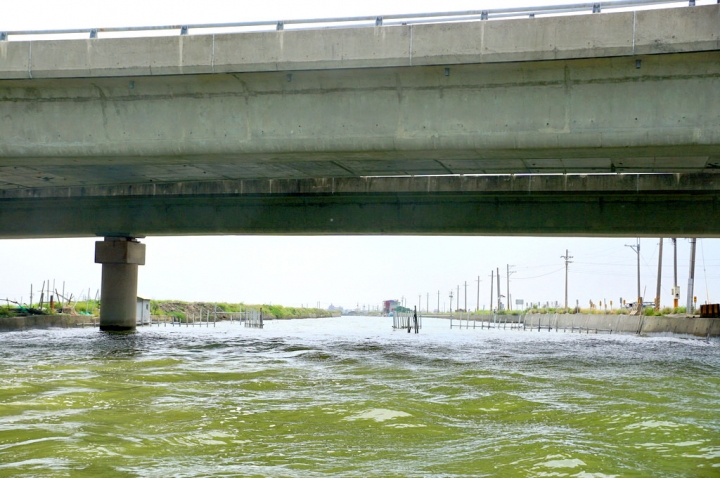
(91,307)
(172,308)
(182,310)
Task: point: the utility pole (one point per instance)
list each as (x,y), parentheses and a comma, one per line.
(451,297)
(492,282)
(427,303)
(477,307)
(465,296)
(676,289)
(508,285)
(419,302)
(657,295)
(438,302)
(567,258)
(498,295)
(457,300)
(691,278)
(636,248)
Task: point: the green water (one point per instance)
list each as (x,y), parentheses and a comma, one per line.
(348,396)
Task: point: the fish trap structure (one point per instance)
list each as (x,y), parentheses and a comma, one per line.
(407,320)
(466,320)
(253,319)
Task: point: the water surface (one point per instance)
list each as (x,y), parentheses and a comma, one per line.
(348,396)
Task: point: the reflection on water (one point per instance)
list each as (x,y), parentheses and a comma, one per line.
(349,396)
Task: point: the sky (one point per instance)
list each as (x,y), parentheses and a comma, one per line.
(365,270)
(340,270)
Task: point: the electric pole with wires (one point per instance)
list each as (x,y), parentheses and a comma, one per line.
(509,297)
(465,296)
(636,248)
(689,309)
(492,283)
(659,276)
(675,289)
(567,258)
(499,295)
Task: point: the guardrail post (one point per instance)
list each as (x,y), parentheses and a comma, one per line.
(379,20)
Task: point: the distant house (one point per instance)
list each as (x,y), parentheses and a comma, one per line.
(143,311)
(332,307)
(389,306)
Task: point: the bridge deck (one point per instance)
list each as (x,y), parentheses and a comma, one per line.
(223,134)
(549,38)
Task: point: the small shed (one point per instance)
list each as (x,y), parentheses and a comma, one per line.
(143,311)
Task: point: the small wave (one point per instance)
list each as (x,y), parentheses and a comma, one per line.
(377,414)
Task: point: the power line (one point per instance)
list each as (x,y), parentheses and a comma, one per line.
(541,275)
(509,273)
(567,258)
(707,292)
(636,248)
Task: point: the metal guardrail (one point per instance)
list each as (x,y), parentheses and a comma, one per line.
(367,21)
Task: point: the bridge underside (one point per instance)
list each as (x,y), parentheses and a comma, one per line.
(653,113)
(597,205)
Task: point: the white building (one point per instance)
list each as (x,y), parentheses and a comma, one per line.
(143,311)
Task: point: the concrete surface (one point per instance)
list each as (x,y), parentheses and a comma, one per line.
(671,205)
(120,258)
(656,325)
(138,136)
(596,115)
(44,322)
(564,37)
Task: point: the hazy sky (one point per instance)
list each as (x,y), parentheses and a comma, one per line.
(341,270)
(347,270)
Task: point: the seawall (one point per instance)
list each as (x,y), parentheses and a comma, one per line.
(45,321)
(598,323)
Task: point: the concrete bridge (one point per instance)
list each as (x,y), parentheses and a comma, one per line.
(278,132)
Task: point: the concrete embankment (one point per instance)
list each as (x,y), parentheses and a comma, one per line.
(45,321)
(66,320)
(643,325)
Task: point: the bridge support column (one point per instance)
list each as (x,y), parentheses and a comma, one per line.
(120,258)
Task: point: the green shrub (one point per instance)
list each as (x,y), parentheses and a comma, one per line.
(226,307)
(178,315)
(87,306)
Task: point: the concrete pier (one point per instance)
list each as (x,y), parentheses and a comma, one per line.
(120,258)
